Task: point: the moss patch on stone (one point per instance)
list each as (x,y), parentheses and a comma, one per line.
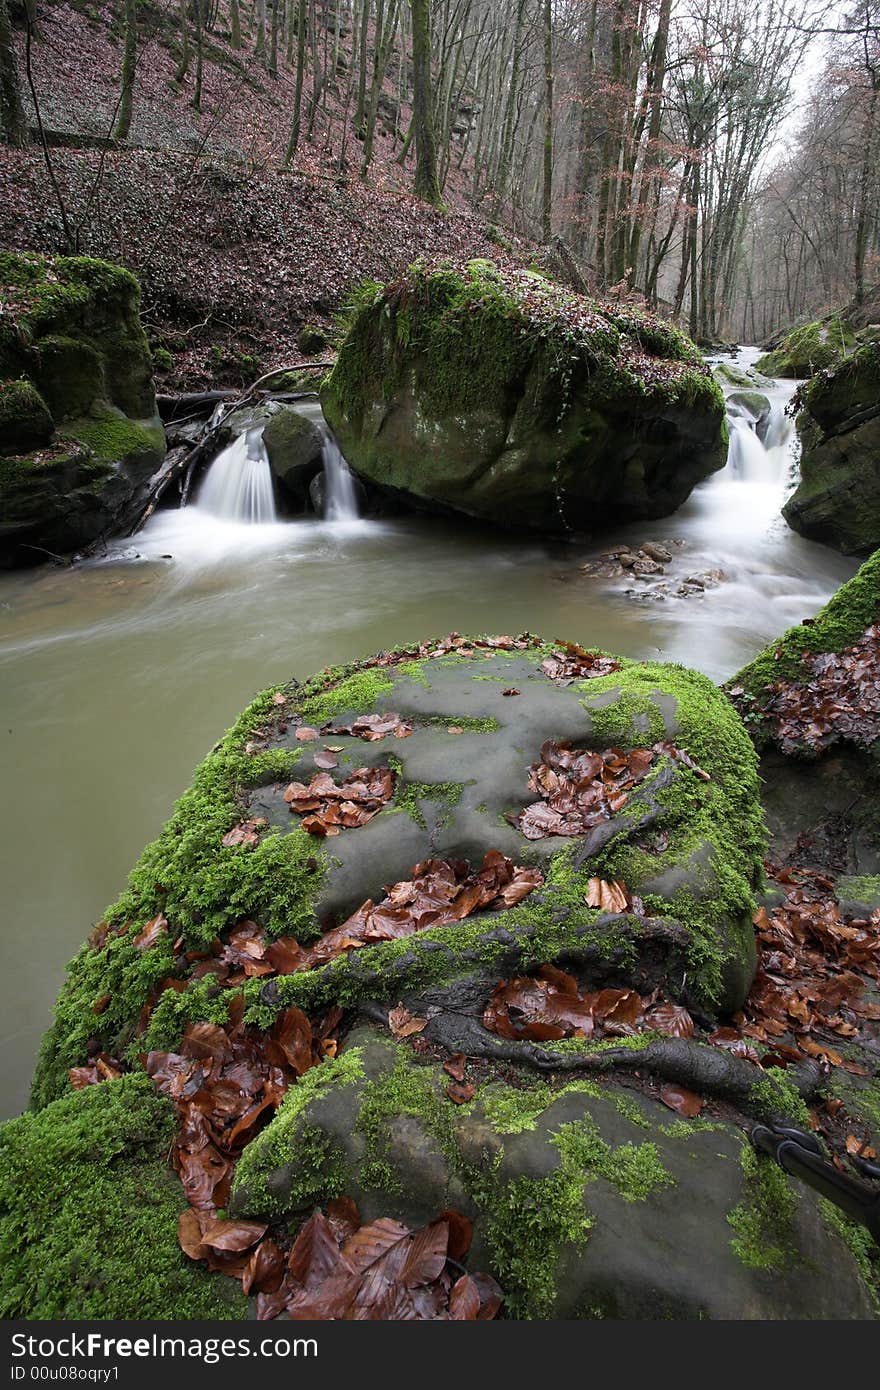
(763,1219)
(88,1213)
(808,349)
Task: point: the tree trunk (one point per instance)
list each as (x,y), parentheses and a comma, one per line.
(235,24)
(547,200)
(13,124)
(425,183)
(129,60)
(300,74)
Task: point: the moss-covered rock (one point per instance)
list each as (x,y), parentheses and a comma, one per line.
(311,340)
(501,395)
(88,1213)
(809,349)
(587,1201)
(806,794)
(79,433)
(838,498)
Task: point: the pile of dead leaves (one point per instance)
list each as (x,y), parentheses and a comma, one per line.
(226,1082)
(339,1269)
(439,892)
(817,971)
(369,727)
(580,787)
(551,1005)
(328,807)
(573,663)
(841,701)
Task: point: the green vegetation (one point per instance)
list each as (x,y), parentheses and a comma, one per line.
(88,1213)
(763,1219)
(808,349)
(25,419)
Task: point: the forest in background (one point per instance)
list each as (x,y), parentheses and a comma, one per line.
(716,157)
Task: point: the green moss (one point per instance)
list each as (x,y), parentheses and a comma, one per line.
(320,1172)
(343,690)
(532,1220)
(408,797)
(634,1170)
(25,418)
(476,326)
(113,437)
(843,620)
(724,814)
(861,1246)
(774,1097)
(88,1213)
(808,349)
(763,1218)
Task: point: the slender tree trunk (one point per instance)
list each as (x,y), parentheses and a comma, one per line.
(360,110)
(260,45)
(273,51)
(425,184)
(235,24)
(129,61)
(547,199)
(200,56)
(183,64)
(301,21)
(13,124)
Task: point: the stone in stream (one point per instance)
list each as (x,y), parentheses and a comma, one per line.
(80,437)
(588,1199)
(496,393)
(294,445)
(838,498)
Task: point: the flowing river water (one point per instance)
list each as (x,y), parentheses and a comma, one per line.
(117,676)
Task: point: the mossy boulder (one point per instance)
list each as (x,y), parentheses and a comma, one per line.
(587,1201)
(831,797)
(838,498)
(731,377)
(79,433)
(311,340)
(88,1213)
(496,393)
(459,775)
(809,348)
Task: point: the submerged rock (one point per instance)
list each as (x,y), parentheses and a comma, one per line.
(503,396)
(80,437)
(379,848)
(838,498)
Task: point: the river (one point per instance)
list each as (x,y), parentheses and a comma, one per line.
(117,676)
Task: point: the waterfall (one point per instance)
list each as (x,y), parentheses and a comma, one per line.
(340,501)
(238,484)
(760,453)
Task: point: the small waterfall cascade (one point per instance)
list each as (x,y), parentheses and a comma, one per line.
(238,484)
(759,449)
(340,500)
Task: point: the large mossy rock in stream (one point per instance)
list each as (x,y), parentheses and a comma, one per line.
(810,348)
(838,498)
(587,1199)
(495,393)
(79,434)
(810,703)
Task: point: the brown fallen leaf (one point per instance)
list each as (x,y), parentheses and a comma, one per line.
(403,1024)
(459,1093)
(682,1101)
(305,734)
(454,1066)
